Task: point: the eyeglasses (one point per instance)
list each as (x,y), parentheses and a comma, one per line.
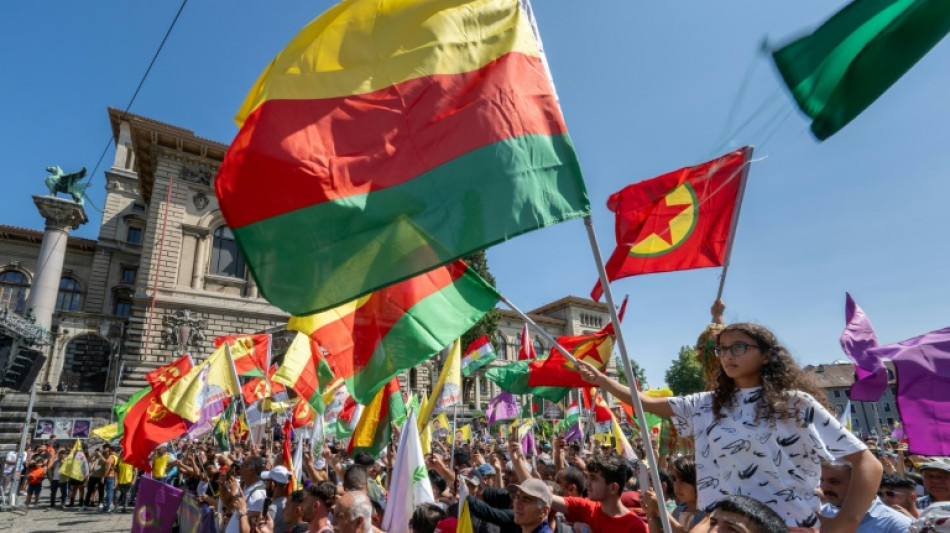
(736,349)
(891,493)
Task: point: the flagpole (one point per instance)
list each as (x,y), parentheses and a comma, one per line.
(735,222)
(534,452)
(634,394)
(547,336)
(455,416)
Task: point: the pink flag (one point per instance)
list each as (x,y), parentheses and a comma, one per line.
(857,339)
(526,351)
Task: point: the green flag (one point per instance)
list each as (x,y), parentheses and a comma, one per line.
(121,410)
(513,378)
(840,69)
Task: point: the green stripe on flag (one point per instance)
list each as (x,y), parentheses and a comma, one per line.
(484,197)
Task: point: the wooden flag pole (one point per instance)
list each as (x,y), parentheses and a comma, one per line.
(735,222)
(634,394)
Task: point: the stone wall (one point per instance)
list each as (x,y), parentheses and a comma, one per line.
(86,364)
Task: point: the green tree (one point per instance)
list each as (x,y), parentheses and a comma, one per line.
(685,375)
(488,325)
(637,371)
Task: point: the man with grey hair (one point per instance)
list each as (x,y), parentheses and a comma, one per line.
(531,501)
(353,513)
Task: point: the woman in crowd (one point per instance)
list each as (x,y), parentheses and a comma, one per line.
(686,515)
(763,432)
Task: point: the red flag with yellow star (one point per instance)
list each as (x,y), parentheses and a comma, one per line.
(557,371)
(678,221)
(149,424)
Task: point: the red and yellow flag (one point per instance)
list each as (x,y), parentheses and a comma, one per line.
(374,430)
(305,371)
(332,132)
(558,371)
(251,353)
(371,339)
(678,221)
(148,423)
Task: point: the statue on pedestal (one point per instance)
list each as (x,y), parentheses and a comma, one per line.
(59,182)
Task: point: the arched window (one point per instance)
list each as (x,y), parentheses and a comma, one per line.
(14,286)
(69,294)
(226,258)
(502,346)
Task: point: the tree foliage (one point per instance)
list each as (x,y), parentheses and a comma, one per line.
(637,371)
(685,375)
(488,325)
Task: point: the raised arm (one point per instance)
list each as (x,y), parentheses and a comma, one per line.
(657,406)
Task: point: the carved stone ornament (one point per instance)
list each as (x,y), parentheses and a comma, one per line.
(181,330)
(197,173)
(60,214)
(200,200)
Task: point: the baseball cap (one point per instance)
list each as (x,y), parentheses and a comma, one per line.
(486,469)
(471,475)
(937,463)
(535,488)
(278,474)
(933,519)
(447,525)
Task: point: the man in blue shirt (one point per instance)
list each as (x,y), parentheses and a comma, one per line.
(835,483)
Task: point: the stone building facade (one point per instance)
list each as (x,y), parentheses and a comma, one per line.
(165,277)
(836,380)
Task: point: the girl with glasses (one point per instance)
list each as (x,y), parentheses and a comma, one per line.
(762,431)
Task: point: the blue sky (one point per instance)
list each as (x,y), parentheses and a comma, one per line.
(646,87)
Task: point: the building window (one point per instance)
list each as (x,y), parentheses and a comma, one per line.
(14,286)
(134,236)
(837,394)
(502,346)
(853,411)
(226,259)
(69,293)
(890,374)
(887,407)
(138,208)
(123,304)
(128,274)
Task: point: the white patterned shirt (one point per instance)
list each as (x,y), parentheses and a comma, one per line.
(776,462)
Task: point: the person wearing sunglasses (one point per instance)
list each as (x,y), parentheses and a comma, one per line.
(762,430)
(899,492)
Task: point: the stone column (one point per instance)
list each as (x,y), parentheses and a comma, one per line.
(478,391)
(61,216)
(198,270)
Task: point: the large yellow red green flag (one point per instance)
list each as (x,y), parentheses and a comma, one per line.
(391,137)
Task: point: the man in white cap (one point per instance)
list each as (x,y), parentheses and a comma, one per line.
(936,474)
(277,484)
(531,502)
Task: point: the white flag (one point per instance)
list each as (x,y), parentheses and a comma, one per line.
(410,485)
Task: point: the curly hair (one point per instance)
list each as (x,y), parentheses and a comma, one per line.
(779,376)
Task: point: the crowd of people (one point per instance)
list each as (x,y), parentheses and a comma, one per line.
(769,457)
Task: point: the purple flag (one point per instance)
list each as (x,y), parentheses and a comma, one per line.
(502,407)
(898,432)
(156,507)
(527,439)
(856,341)
(574,433)
(923,389)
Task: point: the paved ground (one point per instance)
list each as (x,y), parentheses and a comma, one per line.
(42,519)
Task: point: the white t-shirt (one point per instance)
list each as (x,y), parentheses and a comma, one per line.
(254,495)
(775,462)
(9,463)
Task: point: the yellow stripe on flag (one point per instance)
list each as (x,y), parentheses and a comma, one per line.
(410,39)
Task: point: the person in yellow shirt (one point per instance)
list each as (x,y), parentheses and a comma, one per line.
(125,476)
(160,463)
